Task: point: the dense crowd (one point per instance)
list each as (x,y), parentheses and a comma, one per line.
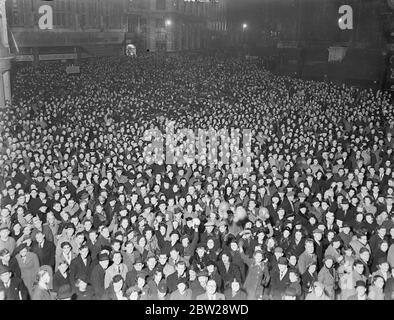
(85,216)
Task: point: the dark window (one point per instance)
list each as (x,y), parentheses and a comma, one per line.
(160,4)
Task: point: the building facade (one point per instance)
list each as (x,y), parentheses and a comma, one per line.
(103,27)
(175,25)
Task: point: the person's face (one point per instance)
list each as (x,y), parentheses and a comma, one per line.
(258,257)
(5,277)
(140,282)
(162,259)
(312,268)
(23,252)
(181,287)
(309,247)
(359,268)
(84,253)
(200,252)
(293,260)
(328,263)
(82,285)
(282,267)
(174,254)
(384,246)
(192,275)
(235,286)
(151,262)
(211,287)
(292,277)
(363,240)
(6,258)
(234,246)
(211,268)
(361,290)
(117,259)
(46,278)
(379,282)
(181,268)
(225,259)
(104,264)
(365,256)
(118,286)
(318,291)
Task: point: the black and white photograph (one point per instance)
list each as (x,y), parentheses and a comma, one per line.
(196,150)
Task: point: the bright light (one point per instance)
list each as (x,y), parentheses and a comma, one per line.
(168,22)
(244,26)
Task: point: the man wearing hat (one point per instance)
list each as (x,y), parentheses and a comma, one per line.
(209,232)
(361,289)
(8,261)
(14,287)
(279,279)
(6,242)
(97,276)
(182,292)
(131,276)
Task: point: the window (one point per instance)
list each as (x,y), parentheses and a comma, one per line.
(160,23)
(15,13)
(160,4)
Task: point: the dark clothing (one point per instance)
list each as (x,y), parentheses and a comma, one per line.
(88,294)
(278,286)
(172,281)
(46,254)
(79,269)
(229,274)
(59,280)
(16,289)
(97,281)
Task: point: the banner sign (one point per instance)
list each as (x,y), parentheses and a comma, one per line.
(57,56)
(336,54)
(25,57)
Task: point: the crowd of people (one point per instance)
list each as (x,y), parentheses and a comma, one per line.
(85,216)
